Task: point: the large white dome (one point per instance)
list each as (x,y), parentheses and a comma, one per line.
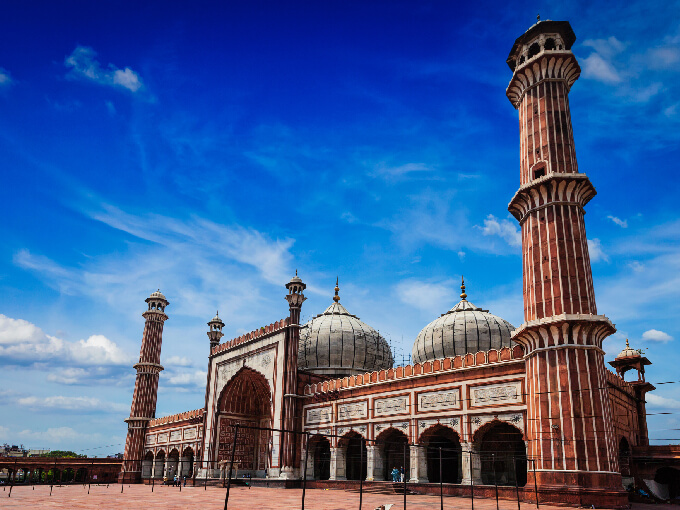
(464,329)
(339,344)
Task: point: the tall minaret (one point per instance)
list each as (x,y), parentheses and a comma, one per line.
(215,335)
(289,442)
(148,368)
(570,432)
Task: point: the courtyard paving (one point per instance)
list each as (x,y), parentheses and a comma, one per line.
(241,498)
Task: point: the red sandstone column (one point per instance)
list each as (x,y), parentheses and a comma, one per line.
(289,441)
(570,428)
(143,407)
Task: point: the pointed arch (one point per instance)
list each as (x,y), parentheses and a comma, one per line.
(246,400)
(443,445)
(394,451)
(503,453)
(353,446)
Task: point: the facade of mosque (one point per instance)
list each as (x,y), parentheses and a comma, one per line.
(532,406)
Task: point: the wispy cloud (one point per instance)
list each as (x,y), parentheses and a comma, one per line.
(505,229)
(596,252)
(621,223)
(5,78)
(431,297)
(73,404)
(83,65)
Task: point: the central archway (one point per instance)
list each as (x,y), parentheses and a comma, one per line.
(246,401)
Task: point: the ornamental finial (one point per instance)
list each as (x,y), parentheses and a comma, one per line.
(336,298)
(627,345)
(463,295)
(538,17)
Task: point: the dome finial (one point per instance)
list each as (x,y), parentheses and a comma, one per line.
(627,344)
(296,272)
(463,295)
(538,17)
(336,298)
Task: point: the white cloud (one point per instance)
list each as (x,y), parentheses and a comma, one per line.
(432,298)
(384,170)
(4,433)
(636,266)
(595,251)
(179,361)
(71,404)
(5,78)
(506,229)
(607,47)
(661,402)
(596,68)
(188,380)
(84,65)
(53,435)
(621,223)
(654,335)
(22,341)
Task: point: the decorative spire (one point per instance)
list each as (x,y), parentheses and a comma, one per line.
(336,298)
(627,344)
(463,295)
(538,17)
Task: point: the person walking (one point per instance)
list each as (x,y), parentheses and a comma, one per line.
(403,473)
(395,474)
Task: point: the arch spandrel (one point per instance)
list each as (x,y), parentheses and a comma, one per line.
(487,423)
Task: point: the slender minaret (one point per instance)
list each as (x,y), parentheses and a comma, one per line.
(214,334)
(295,298)
(215,331)
(148,368)
(570,432)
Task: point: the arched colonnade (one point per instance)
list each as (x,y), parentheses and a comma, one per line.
(162,465)
(497,454)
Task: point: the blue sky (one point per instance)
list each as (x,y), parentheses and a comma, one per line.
(209,149)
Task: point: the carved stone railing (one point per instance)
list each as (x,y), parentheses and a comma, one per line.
(480,359)
(263,331)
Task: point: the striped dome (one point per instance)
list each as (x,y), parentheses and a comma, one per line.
(464,329)
(339,344)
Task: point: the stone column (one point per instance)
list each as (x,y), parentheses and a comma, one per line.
(374,464)
(338,459)
(471,464)
(418,464)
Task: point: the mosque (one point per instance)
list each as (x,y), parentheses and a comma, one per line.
(531,406)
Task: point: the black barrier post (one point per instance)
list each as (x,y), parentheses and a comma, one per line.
(361,476)
(472,485)
(122,485)
(231,466)
(52,479)
(405,448)
(205,477)
(153,474)
(14,475)
(493,461)
(304,473)
(441,482)
(535,483)
(516,486)
(89,478)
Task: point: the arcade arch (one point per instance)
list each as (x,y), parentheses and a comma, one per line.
(434,438)
(503,454)
(319,456)
(353,446)
(394,452)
